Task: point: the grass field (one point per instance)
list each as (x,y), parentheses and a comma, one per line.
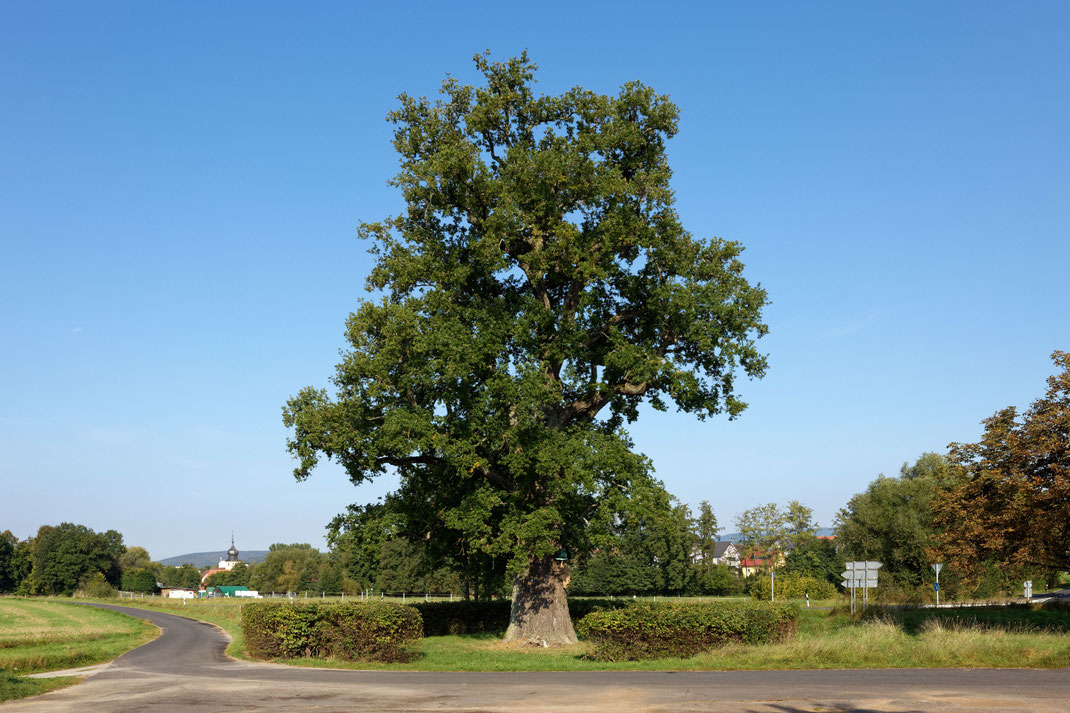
(1026,637)
(43,635)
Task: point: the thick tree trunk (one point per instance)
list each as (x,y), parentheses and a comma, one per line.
(540,610)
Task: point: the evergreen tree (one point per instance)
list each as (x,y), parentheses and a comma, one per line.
(706,531)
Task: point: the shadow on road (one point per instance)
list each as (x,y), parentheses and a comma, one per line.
(826,708)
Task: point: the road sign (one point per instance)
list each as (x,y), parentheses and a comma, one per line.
(860,583)
(871,566)
(936,587)
(858,574)
(862,574)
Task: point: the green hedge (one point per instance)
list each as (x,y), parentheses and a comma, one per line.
(579,608)
(465,616)
(357,631)
(479,617)
(650,631)
(792,585)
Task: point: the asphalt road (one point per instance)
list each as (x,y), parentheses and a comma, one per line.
(186,671)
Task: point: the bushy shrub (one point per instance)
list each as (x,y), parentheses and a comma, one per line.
(719,580)
(791,585)
(280,631)
(139,580)
(97,587)
(369,631)
(354,631)
(647,631)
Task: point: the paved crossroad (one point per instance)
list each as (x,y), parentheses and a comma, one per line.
(186,671)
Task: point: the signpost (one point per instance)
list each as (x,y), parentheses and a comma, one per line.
(860,575)
(1028,589)
(936,585)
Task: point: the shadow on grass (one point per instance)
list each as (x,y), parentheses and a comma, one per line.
(485,635)
(1046,618)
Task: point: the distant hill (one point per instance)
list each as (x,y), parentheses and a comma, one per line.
(200,560)
(736,537)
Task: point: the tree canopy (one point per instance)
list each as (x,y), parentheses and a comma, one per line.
(892,521)
(536,290)
(763,530)
(66,555)
(1011,507)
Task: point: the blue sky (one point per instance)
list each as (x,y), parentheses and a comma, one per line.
(180,186)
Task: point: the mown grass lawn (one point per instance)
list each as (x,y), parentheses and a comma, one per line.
(12,686)
(46,635)
(1018,637)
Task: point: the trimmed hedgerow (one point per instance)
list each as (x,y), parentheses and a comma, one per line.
(273,630)
(370,631)
(650,631)
(357,631)
(579,608)
(466,616)
(479,617)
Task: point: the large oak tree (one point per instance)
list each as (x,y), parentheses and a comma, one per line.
(537,289)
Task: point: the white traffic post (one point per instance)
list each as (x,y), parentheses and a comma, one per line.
(936,568)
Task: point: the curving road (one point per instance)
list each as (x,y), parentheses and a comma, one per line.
(185,671)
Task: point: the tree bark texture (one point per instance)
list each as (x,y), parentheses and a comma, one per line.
(540,608)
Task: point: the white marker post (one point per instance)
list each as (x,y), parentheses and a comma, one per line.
(936,568)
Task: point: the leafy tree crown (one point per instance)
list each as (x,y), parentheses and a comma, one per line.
(537,289)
